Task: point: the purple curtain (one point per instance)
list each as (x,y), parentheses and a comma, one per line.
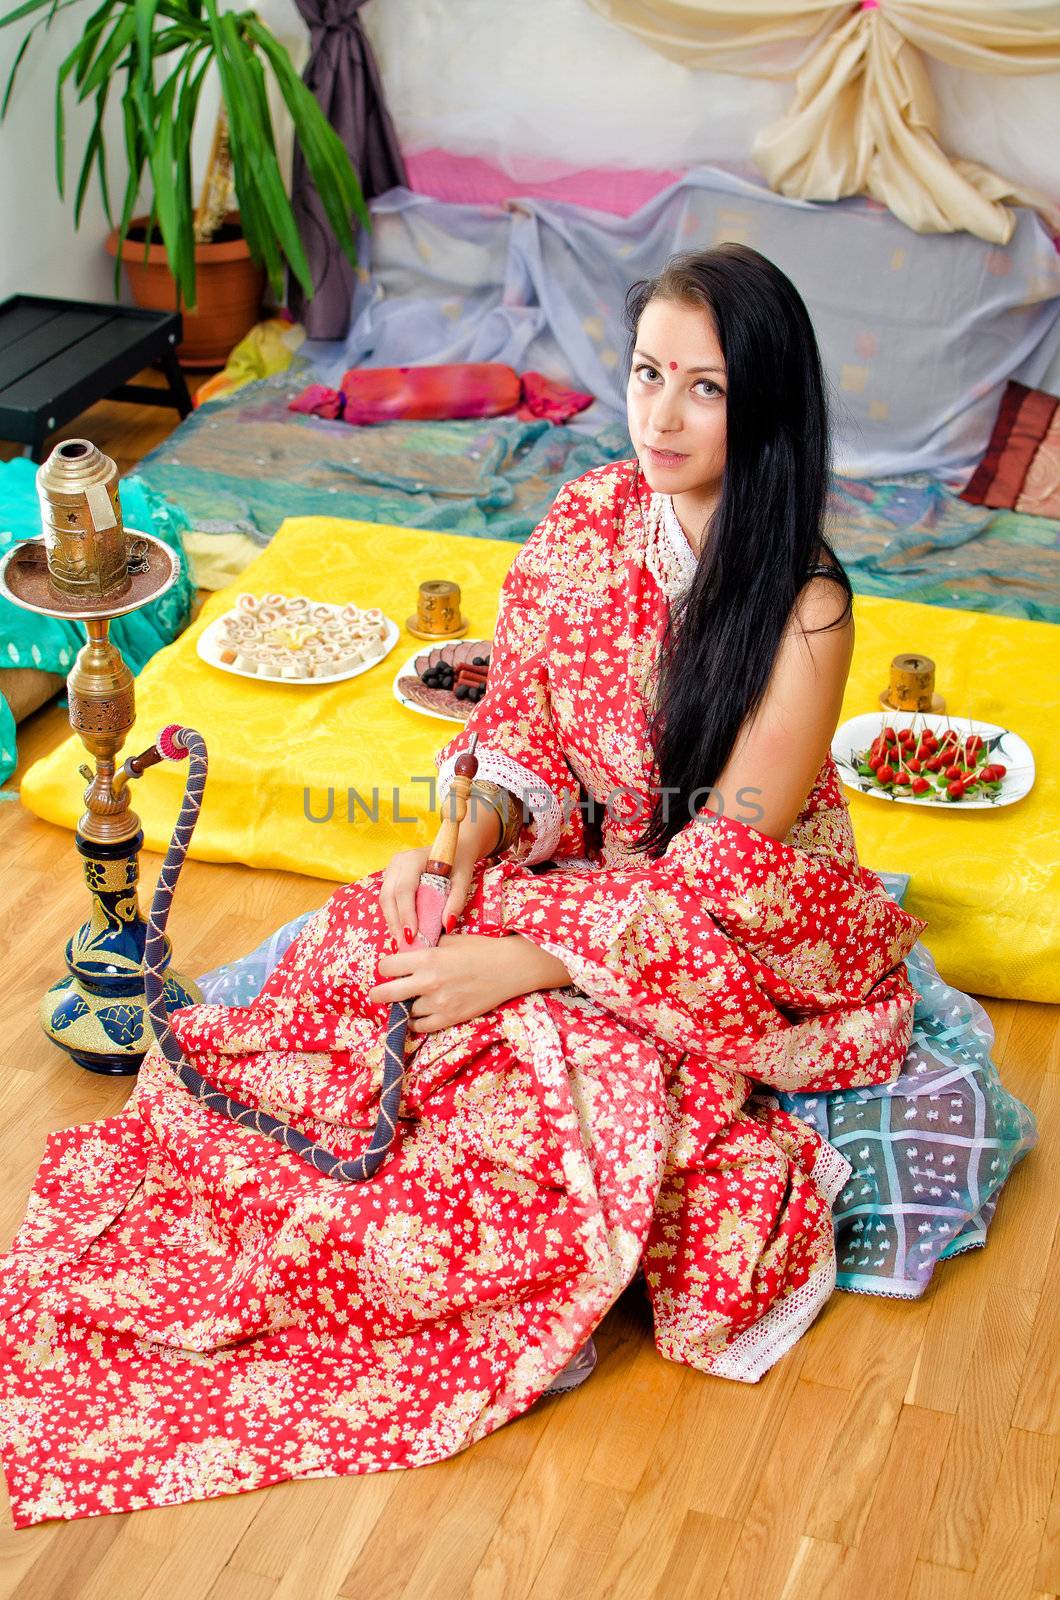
(344,77)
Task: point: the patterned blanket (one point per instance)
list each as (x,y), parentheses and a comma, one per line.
(244,462)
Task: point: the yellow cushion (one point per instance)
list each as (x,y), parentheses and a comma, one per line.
(282,757)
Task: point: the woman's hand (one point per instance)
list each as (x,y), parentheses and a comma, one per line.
(401,878)
(464,977)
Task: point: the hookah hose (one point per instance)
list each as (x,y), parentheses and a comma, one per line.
(173,744)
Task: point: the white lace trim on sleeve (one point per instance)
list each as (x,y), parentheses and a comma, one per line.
(525,785)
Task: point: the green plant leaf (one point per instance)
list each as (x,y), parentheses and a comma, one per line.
(326,156)
(144,14)
(135,155)
(41,22)
(86,46)
(60,136)
(23,47)
(93,152)
(107,59)
(25,10)
(128,39)
(254,162)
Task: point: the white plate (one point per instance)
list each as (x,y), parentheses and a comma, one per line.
(209,648)
(1002,745)
(409,671)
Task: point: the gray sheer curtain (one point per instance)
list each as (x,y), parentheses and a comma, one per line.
(344,77)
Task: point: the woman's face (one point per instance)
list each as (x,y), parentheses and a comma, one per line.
(676,402)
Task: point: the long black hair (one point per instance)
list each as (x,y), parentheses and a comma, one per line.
(767,532)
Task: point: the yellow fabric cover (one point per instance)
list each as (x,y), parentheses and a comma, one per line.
(217,559)
(988,883)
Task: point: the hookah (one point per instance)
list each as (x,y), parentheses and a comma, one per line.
(120,985)
(88,568)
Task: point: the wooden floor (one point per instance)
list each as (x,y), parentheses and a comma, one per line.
(901,1450)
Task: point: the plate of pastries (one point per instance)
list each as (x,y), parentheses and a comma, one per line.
(280,638)
(447,681)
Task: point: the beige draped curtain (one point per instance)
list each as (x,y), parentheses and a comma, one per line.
(863,119)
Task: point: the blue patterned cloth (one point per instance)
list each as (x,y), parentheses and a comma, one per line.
(928,1152)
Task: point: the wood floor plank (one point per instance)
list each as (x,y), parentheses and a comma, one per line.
(938,1583)
(289,1518)
(21,1550)
(955,1527)
(840,1507)
(196,1542)
(709,1461)
(452,1551)
(699,1558)
(386,1559)
(1009,1554)
(816,1570)
(1038,1402)
(546,1519)
(1047,1572)
(347,1512)
(233,1584)
(577,1552)
(844,1343)
(775,1523)
(885,1559)
(63,1562)
(956,1300)
(647,1387)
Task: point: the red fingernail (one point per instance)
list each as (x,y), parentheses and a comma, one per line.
(450,923)
(393,946)
(408,935)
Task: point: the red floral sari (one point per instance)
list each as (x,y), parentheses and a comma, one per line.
(190,1311)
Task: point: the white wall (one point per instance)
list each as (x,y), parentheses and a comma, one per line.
(502,78)
(40,251)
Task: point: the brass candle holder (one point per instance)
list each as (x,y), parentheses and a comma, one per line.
(87,568)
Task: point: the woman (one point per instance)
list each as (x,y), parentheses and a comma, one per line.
(679,916)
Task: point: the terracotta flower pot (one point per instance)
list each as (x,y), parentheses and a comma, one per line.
(228,286)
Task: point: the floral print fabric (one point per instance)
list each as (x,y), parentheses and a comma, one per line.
(188,1310)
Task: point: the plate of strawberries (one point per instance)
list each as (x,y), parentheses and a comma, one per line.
(926,760)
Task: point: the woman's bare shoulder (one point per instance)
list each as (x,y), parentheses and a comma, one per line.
(823,605)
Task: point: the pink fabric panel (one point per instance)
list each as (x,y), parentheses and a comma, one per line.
(468,180)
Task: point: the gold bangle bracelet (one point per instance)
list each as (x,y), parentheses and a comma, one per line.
(510,817)
(492,799)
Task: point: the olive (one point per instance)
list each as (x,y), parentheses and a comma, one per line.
(478,661)
(461,691)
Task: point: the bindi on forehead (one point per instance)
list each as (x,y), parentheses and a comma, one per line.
(673,366)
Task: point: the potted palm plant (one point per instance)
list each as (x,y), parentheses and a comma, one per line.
(155,54)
